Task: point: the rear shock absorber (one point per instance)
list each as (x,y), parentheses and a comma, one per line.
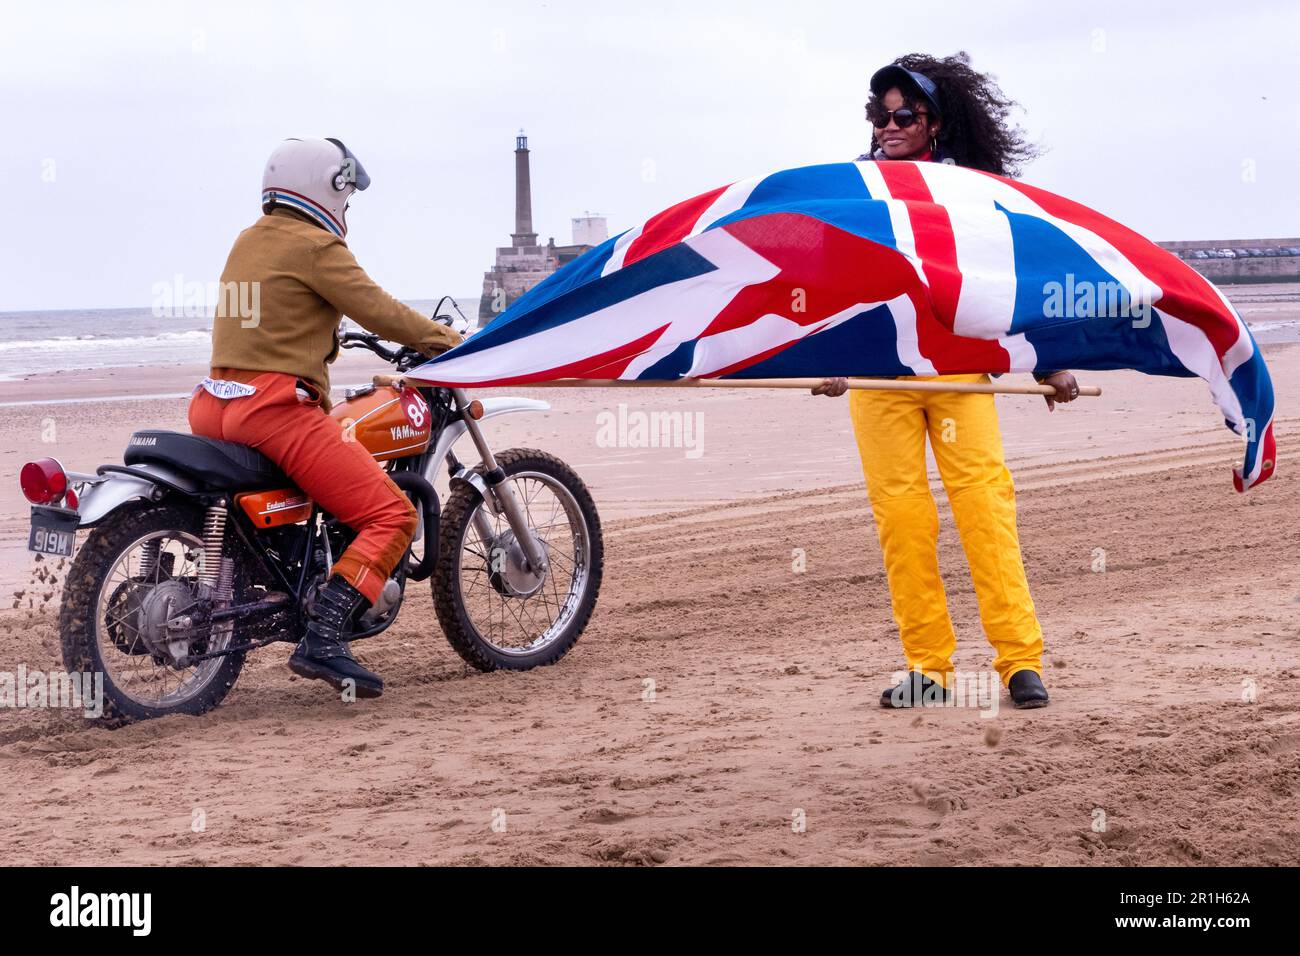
(217,574)
(214,535)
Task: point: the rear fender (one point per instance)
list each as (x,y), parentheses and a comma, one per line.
(115,485)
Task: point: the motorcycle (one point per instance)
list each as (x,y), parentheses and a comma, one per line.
(200,551)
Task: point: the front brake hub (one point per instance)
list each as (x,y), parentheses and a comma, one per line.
(508,569)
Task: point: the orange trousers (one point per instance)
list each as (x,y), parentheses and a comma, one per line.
(309,447)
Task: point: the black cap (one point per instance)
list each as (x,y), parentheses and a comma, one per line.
(886,78)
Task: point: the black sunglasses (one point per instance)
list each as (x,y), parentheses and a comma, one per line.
(902,117)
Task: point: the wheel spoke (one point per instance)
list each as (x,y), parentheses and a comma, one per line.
(128,659)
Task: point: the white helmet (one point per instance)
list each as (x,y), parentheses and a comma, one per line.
(314,177)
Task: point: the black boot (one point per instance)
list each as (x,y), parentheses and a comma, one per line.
(322,654)
(1027,690)
(914,690)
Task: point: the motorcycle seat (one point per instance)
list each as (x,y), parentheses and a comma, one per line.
(218,465)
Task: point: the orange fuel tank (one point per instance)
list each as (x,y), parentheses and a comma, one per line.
(390,421)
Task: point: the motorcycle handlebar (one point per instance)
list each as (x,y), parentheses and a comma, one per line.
(402,357)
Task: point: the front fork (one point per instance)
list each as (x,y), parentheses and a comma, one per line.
(502,491)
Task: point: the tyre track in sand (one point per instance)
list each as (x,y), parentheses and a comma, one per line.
(762,706)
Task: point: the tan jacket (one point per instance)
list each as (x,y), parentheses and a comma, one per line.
(306,278)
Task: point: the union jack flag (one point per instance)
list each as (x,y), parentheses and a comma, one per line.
(876,269)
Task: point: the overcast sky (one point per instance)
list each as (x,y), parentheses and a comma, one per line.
(134,134)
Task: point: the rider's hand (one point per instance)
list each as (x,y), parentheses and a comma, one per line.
(1067,388)
(832,387)
(452,339)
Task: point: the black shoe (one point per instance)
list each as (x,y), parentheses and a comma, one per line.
(322,654)
(1027,690)
(914,690)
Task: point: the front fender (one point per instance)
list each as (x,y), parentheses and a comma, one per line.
(492,407)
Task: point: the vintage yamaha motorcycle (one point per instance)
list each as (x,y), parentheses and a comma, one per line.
(200,551)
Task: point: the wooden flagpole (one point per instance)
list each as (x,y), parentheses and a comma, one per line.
(877,384)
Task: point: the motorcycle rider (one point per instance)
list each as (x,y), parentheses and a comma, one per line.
(269,383)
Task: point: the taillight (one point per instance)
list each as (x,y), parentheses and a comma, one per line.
(43,481)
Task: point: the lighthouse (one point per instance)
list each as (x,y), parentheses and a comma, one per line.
(523,234)
(524,263)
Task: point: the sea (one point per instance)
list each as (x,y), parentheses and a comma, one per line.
(33,342)
(66,339)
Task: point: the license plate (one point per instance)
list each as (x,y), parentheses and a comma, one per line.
(54,531)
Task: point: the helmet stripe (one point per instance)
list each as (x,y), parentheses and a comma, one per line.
(299,201)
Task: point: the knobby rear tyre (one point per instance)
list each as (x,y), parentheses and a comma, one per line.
(83,651)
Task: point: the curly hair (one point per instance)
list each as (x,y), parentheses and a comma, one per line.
(975,130)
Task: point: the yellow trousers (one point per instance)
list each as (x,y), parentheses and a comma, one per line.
(891,429)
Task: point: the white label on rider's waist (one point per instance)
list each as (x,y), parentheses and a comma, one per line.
(222,388)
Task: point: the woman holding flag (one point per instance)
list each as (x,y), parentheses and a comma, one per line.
(930,110)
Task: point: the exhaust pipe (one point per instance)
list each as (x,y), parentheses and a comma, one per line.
(425,498)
